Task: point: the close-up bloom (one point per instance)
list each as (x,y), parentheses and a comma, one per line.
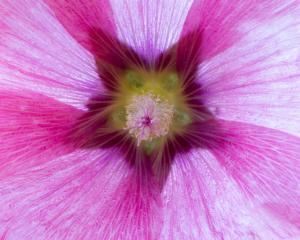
(150,120)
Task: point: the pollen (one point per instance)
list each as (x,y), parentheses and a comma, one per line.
(148,117)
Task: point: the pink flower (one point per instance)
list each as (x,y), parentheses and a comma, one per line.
(152,120)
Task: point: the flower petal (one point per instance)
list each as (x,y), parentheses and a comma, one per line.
(33,129)
(47,189)
(37,54)
(84,195)
(149,27)
(265,163)
(218,22)
(81,18)
(202,201)
(257,79)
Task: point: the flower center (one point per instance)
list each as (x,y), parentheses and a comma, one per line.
(150,107)
(148,117)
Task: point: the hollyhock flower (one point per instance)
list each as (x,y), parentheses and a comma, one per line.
(149,119)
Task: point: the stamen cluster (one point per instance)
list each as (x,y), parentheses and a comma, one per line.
(148,117)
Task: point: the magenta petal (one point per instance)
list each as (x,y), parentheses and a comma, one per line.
(257,80)
(84,195)
(33,130)
(38,54)
(49,190)
(265,163)
(220,23)
(133,210)
(83,18)
(202,201)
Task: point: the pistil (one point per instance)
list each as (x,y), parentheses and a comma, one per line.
(148,117)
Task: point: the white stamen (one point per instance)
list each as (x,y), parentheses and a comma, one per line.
(148,117)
